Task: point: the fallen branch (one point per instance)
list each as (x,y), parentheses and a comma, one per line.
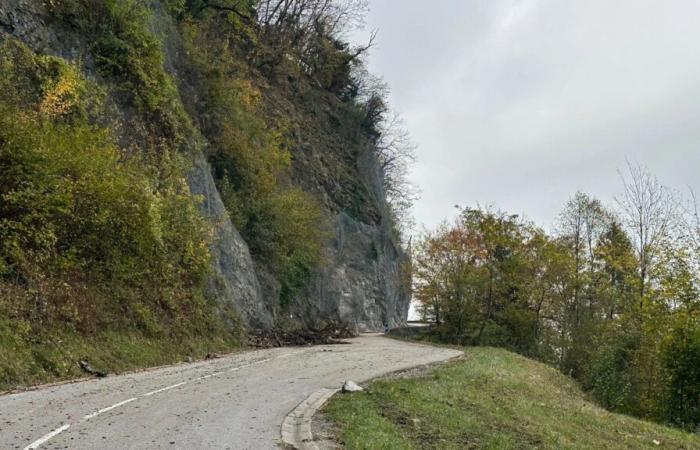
(332,333)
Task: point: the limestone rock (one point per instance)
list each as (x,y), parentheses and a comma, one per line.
(351,386)
(234,280)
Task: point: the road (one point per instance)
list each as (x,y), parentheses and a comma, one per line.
(235,402)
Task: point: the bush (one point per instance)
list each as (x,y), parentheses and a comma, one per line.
(609,376)
(680,356)
(80,218)
(125,49)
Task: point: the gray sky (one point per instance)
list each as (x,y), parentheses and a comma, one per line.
(519,103)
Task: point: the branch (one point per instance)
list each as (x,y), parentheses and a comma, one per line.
(231,9)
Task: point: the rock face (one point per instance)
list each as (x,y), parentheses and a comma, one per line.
(360,282)
(233,280)
(363,282)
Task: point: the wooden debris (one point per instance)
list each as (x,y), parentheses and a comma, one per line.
(332,333)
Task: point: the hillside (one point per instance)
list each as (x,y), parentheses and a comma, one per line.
(490,399)
(177,173)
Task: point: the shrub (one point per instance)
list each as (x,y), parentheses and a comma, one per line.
(80,218)
(680,356)
(125,49)
(609,376)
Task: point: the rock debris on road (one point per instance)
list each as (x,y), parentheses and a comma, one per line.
(236,402)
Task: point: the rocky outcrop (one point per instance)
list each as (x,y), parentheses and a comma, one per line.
(360,281)
(233,279)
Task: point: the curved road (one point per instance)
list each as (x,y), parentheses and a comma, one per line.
(235,402)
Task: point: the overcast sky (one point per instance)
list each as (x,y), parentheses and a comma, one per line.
(519,103)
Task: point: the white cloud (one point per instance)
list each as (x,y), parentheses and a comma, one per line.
(520,103)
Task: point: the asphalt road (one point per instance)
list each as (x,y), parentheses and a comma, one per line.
(235,402)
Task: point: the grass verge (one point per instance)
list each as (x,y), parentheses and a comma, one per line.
(55,358)
(493,399)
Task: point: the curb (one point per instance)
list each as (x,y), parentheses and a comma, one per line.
(296,428)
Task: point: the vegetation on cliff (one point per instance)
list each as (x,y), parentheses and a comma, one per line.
(104,252)
(93,239)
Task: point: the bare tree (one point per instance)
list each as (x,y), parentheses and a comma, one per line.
(302,16)
(649,211)
(299,28)
(396,155)
(690,222)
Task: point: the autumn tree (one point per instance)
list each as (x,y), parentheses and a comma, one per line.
(613,298)
(472,277)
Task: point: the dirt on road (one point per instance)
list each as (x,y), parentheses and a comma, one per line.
(235,402)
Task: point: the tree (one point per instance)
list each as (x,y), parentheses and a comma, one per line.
(548,286)
(618,265)
(612,300)
(471,276)
(393,146)
(648,210)
(312,32)
(581,224)
(396,154)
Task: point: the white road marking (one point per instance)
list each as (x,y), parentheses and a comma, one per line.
(44,439)
(148,394)
(109,408)
(233,369)
(39,442)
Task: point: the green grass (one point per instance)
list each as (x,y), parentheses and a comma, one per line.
(42,359)
(492,399)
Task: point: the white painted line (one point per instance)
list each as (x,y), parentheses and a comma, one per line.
(233,369)
(36,444)
(109,408)
(44,439)
(148,394)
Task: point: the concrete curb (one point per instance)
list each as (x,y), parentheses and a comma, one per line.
(296,428)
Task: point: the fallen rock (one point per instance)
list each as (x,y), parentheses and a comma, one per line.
(351,386)
(86,367)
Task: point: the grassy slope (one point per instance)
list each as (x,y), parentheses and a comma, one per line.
(55,358)
(493,399)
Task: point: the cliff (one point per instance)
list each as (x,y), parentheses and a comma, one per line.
(356,270)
